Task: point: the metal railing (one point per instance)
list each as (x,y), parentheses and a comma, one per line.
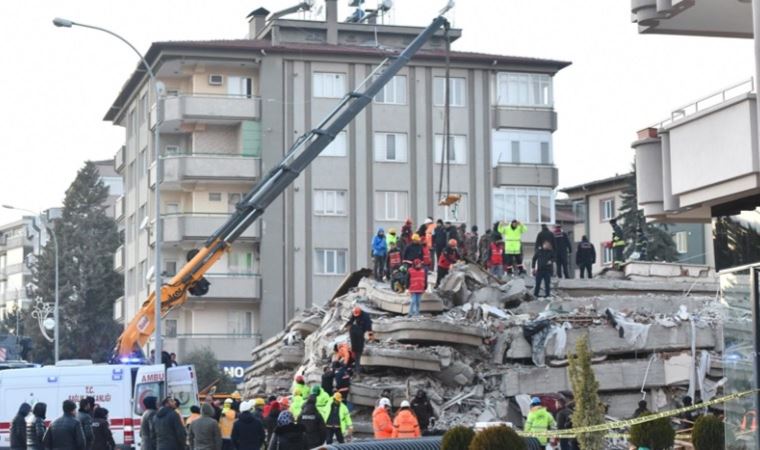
(212,336)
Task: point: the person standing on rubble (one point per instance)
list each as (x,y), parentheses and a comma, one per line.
(406,234)
(417,287)
(382,424)
(539,419)
(562,250)
(585,256)
(343,380)
(405,424)
(543,265)
(394,259)
(495,253)
(545,235)
(513,254)
(449,256)
(358,326)
(414,250)
(423,410)
(379,253)
(328,380)
(339,424)
(618,244)
(440,236)
(471,244)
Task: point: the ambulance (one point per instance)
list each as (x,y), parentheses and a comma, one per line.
(119,388)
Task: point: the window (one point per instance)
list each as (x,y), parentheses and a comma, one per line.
(337,147)
(329,203)
(170,267)
(579,211)
(131,123)
(394,92)
(142,162)
(391,206)
(524,89)
(131,228)
(240,262)
(171,150)
(681,239)
(130,282)
(330,262)
(143,108)
(329,85)
(170,328)
(607,209)
(215,196)
(528,205)
(240,87)
(143,275)
(129,176)
(390,147)
(457,149)
(452,213)
(607,255)
(172,208)
(142,213)
(240,322)
(456,91)
(521,147)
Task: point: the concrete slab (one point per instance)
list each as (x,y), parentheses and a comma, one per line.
(601,286)
(666,304)
(412,358)
(387,300)
(285,356)
(426,330)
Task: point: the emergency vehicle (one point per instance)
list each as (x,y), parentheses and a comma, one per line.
(119,388)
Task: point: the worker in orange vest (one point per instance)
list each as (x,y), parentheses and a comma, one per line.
(381,420)
(405,424)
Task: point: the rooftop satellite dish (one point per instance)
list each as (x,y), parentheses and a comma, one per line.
(385,5)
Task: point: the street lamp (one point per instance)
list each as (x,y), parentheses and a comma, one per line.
(56,328)
(158,87)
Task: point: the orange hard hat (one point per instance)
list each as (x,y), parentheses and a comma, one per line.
(357,311)
(452,242)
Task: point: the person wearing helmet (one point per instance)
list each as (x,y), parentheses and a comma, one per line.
(258,405)
(339,424)
(248,431)
(379,253)
(394,258)
(382,424)
(449,256)
(391,237)
(423,410)
(226,421)
(300,391)
(417,286)
(539,419)
(406,233)
(358,326)
(312,420)
(405,424)
(414,250)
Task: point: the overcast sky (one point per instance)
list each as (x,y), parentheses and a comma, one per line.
(58,83)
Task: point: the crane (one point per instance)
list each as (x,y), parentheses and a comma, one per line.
(190,278)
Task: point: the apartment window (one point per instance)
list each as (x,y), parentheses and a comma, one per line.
(129,176)
(521,147)
(131,124)
(142,213)
(240,322)
(240,87)
(240,262)
(393,93)
(337,147)
(143,108)
(170,267)
(524,89)
(329,203)
(330,261)
(131,228)
(456,91)
(390,147)
(329,85)
(143,275)
(142,162)
(681,239)
(453,213)
(607,209)
(579,211)
(457,149)
(528,205)
(172,150)
(170,328)
(607,255)
(391,205)
(129,288)
(215,196)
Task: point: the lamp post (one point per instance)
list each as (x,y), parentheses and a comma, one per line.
(158,87)
(56,344)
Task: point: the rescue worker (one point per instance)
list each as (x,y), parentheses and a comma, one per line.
(359,325)
(147,430)
(18,427)
(65,433)
(102,436)
(449,256)
(288,435)
(512,235)
(440,236)
(170,433)
(328,380)
(271,400)
(270,421)
(391,238)
(423,410)
(562,251)
(300,391)
(427,234)
(542,265)
(248,431)
(36,429)
(258,405)
(471,244)
(339,424)
(618,244)
(539,419)
(204,432)
(414,250)
(312,420)
(417,287)
(643,408)
(483,245)
(406,233)
(379,253)
(85,418)
(585,256)
(343,380)
(226,421)
(341,354)
(495,252)
(405,424)
(545,235)
(452,232)
(394,259)
(323,401)
(382,424)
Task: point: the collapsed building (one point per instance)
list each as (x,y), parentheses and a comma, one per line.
(483,347)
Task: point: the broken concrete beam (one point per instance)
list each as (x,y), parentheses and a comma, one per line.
(403,358)
(605,340)
(601,286)
(649,270)
(666,304)
(420,330)
(387,300)
(286,356)
(612,376)
(457,374)
(506,295)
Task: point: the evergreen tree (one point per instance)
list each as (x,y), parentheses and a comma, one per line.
(588,409)
(88,285)
(651,241)
(208,371)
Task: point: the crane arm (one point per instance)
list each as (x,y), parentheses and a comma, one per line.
(252,206)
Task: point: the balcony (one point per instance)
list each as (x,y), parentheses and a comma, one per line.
(20,268)
(537,175)
(7,243)
(226,347)
(693,18)
(231,286)
(527,118)
(118,259)
(120,159)
(183,169)
(199,226)
(118,208)
(202,108)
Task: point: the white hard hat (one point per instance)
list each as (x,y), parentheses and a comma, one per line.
(385,402)
(229,400)
(405,404)
(245,406)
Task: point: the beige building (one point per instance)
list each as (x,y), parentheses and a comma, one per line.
(233,107)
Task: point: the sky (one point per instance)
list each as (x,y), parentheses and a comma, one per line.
(58,83)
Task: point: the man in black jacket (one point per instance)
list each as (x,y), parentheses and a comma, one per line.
(65,433)
(562,250)
(248,431)
(36,429)
(85,418)
(423,410)
(545,235)
(18,427)
(585,256)
(440,237)
(147,427)
(313,422)
(170,433)
(542,265)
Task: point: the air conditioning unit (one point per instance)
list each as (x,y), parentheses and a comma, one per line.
(215,79)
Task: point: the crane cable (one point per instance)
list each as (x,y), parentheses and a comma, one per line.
(448,199)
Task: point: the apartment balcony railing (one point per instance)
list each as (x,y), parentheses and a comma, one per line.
(13,269)
(523,117)
(199,226)
(539,175)
(7,242)
(178,169)
(120,159)
(234,286)
(208,107)
(118,259)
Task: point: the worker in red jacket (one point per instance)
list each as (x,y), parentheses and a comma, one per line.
(417,286)
(495,261)
(449,256)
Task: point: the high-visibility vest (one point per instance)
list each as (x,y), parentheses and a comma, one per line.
(417,281)
(394,259)
(497,254)
(405,425)
(513,238)
(427,261)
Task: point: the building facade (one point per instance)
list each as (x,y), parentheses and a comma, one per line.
(231,110)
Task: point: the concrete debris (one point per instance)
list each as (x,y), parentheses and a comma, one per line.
(472,352)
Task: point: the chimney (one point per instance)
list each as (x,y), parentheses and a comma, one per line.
(257,19)
(332,21)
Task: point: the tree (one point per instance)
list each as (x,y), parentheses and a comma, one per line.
(588,409)
(208,371)
(651,241)
(87,240)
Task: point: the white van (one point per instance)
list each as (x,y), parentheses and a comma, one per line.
(119,388)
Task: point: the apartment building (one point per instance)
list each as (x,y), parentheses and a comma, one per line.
(596,202)
(113,182)
(231,110)
(18,241)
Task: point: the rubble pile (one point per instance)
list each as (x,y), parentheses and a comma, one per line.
(482,347)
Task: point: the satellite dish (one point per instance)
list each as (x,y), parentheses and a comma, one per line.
(385,5)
